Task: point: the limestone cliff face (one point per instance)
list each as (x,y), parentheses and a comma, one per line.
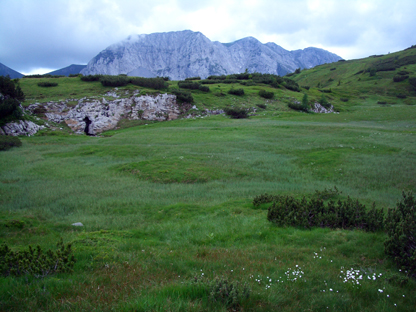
(93,116)
(183,54)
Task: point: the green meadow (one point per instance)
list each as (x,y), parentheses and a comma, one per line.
(167,206)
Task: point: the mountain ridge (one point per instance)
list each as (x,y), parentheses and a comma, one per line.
(4,71)
(184,54)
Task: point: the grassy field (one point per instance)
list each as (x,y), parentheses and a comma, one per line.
(167,206)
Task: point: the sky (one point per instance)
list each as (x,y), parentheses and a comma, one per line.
(38,36)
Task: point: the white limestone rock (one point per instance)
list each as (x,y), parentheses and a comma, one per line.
(21,127)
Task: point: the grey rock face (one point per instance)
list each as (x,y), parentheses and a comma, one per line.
(318,108)
(93,116)
(21,127)
(183,54)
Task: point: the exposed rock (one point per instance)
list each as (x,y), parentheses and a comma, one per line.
(183,54)
(318,108)
(77,224)
(21,127)
(93,116)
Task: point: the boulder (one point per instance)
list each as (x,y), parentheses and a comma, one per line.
(21,127)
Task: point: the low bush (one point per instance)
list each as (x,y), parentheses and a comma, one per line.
(74,75)
(290,84)
(412,81)
(403,72)
(35,262)
(247,83)
(381,102)
(347,214)
(229,293)
(192,78)
(236,112)
(91,78)
(325,90)
(47,84)
(399,78)
(344,99)
(299,107)
(306,87)
(114,81)
(262,106)
(401,230)
(154,83)
(183,96)
(266,94)
(188,85)
(324,102)
(11,94)
(8,141)
(401,96)
(238,92)
(203,88)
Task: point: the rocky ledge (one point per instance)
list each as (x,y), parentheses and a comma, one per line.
(93,116)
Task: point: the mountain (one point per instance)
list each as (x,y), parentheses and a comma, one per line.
(4,71)
(183,54)
(69,70)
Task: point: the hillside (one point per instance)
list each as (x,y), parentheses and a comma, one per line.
(160,214)
(381,78)
(7,71)
(69,70)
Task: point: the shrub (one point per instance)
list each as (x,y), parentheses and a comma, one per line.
(306,87)
(193,78)
(401,229)
(9,99)
(183,96)
(73,75)
(114,81)
(344,99)
(348,214)
(290,84)
(298,107)
(262,106)
(412,81)
(248,83)
(47,84)
(399,78)
(401,96)
(8,141)
(266,94)
(325,90)
(403,72)
(236,112)
(230,294)
(188,85)
(236,91)
(324,102)
(381,102)
(91,78)
(154,83)
(203,88)
(35,262)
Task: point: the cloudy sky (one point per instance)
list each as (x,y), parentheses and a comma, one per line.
(38,36)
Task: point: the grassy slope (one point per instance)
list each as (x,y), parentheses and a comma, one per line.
(163,201)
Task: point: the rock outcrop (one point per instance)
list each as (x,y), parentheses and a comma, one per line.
(21,127)
(318,108)
(183,54)
(93,116)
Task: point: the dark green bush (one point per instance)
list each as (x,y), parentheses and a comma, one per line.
(236,112)
(298,107)
(401,229)
(262,106)
(266,94)
(412,81)
(247,83)
(324,102)
(47,84)
(403,72)
(401,96)
(399,78)
(91,78)
(381,102)
(183,96)
(188,85)
(236,91)
(8,141)
(154,83)
(203,88)
(290,84)
(193,78)
(325,90)
(114,81)
(348,214)
(35,262)
(344,99)
(306,87)
(265,199)
(11,94)
(229,293)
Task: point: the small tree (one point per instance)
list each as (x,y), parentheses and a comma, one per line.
(305,102)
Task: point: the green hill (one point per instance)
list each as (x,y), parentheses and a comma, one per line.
(387,78)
